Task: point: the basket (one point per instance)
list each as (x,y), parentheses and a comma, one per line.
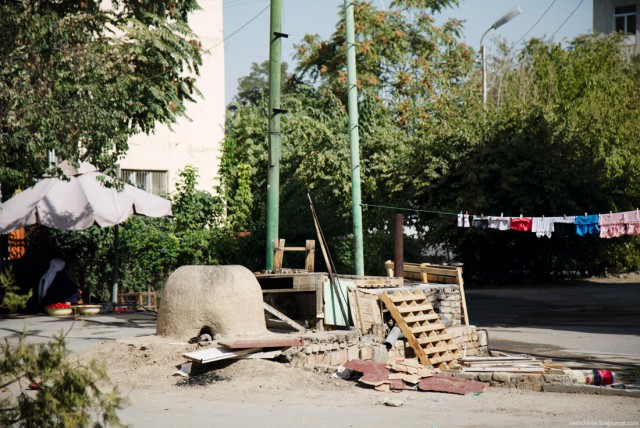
(58,312)
(88,309)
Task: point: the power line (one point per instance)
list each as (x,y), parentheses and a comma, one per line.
(238,30)
(407,209)
(537,22)
(565,21)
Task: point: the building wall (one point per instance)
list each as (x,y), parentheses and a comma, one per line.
(198,141)
(603,20)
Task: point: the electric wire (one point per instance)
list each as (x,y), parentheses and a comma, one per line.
(536,23)
(408,209)
(239,29)
(565,21)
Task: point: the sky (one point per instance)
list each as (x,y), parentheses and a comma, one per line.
(246,26)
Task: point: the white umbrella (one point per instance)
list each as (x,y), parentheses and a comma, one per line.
(78,203)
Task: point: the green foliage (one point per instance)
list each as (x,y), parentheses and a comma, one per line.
(12,300)
(80,77)
(70,395)
(559,135)
(411,76)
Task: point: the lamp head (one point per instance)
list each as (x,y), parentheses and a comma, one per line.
(507,17)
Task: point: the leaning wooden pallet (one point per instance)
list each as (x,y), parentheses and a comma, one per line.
(422,328)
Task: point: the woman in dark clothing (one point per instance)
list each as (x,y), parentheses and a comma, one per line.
(56,287)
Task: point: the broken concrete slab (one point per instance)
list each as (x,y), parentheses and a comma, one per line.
(439,383)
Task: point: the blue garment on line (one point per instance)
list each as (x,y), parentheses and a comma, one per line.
(587,225)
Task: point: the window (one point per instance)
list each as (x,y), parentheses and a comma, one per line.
(156,182)
(625,19)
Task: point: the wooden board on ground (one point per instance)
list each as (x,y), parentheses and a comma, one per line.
(505,364)
(261,343)
(364,309)
(412,312)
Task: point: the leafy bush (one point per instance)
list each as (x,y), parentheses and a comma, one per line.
(69,394)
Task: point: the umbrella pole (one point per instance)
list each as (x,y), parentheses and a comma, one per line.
(114,297)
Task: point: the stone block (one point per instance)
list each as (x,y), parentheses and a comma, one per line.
(482,338)
(502,377)
(338,357)
(485,377)
(380,354)
(366,352)
(353,353)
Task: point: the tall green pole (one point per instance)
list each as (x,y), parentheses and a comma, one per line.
(354,138)
(273,173)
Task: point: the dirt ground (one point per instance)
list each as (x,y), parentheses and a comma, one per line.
(592,325)
(260,393)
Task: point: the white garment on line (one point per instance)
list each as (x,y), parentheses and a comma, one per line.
(500,223)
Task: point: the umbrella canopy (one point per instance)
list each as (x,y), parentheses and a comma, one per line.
(78,203)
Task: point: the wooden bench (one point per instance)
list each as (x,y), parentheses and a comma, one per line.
(440,274)
(139,299)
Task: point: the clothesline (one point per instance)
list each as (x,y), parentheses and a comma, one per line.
(609,225)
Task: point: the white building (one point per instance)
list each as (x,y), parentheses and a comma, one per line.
(153,161)
(620,16)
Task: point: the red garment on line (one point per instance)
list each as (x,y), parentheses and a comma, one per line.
(521,224)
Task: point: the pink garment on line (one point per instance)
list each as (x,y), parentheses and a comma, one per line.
(612,225)
(632,218)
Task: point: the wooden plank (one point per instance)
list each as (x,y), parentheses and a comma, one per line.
(413,308)
(215,354)
(283,317)
(278,254)
(421,318)
(504,369)
(310,255)
(261,343)
(265,355)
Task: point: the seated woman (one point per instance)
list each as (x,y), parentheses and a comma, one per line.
(56,287)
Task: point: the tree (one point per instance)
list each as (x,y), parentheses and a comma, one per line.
(559,136)
(80,77)
(412,77)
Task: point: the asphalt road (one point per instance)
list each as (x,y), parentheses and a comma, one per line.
(591,324)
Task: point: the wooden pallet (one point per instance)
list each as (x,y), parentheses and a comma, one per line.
(421,326)
(364,310)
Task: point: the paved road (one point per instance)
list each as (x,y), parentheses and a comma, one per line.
(586,323)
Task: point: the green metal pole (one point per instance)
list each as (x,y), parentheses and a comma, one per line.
(273,173)
(354,138)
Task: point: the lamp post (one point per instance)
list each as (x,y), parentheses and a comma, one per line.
(499,23)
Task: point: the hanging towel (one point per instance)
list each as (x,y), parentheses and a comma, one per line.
(587,225)
(521,224)
(500,223)
(460,220)
(612,225)
(466,221)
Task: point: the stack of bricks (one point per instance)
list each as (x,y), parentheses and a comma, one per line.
(471,342)
(446,301)
(334,348)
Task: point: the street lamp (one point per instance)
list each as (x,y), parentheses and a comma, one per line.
(499,23)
